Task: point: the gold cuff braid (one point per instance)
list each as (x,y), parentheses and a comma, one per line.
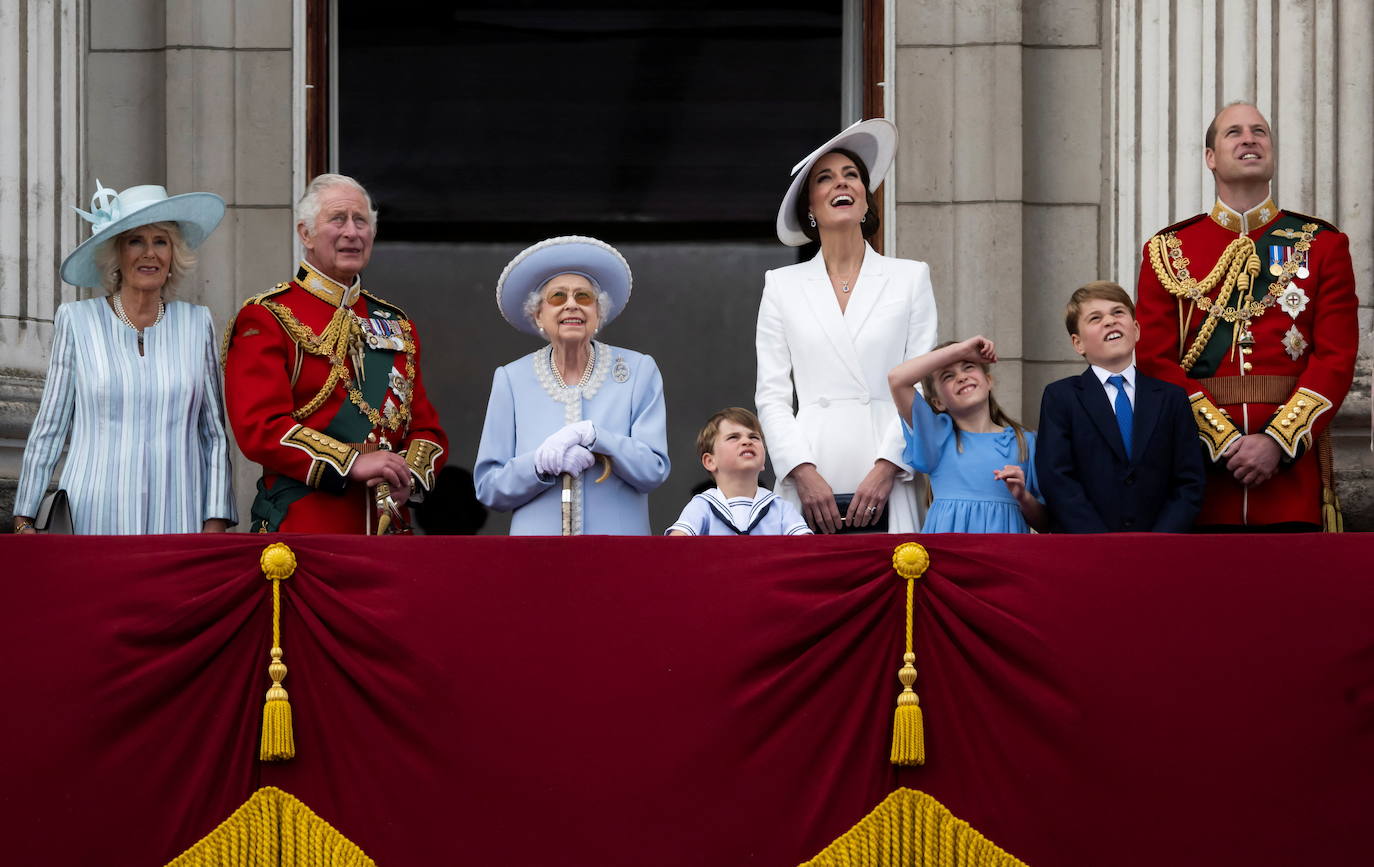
(1292,424)
(421,457)
(324,451)
(1214,426)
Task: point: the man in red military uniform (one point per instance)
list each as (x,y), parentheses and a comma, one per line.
(323,387)
(1252,309)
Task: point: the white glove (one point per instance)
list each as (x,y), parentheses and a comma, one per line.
(550,456)
(577,459)
(586,432)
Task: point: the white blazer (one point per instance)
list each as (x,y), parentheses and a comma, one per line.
(845,418)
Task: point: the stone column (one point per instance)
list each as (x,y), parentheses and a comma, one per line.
(1067,176)
(1000,172)
(958,106)
(229,130)
(40,159)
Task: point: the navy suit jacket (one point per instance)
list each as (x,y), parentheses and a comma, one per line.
(1089,483)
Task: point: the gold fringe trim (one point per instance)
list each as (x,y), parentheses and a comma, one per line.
(910,560)
(912,829)
(278,740)
(273,829)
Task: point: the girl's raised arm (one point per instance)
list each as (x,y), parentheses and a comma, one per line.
(903,378)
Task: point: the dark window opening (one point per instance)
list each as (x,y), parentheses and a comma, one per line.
(671,121)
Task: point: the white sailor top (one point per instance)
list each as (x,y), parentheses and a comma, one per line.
(765,514)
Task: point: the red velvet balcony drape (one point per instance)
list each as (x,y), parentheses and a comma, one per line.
(1125,700)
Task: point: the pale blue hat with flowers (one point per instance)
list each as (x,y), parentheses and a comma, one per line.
(534,266)
(196,215)
(874,140)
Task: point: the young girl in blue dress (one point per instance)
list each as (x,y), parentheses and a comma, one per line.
(980,461)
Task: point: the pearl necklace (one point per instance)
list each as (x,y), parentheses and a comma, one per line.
(124,317)
(586,374)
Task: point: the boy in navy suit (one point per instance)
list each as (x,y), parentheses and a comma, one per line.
(1117,450)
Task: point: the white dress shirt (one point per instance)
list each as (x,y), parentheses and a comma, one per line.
(1128,375)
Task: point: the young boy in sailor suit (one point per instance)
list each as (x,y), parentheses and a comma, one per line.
(732,451)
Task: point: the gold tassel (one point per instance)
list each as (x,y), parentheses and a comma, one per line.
(1332,519)
(908,726)
(910,560)
(278,740)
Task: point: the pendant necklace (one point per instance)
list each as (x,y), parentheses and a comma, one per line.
(844,284)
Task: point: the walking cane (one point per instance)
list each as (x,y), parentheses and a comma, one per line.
(567,503)
(567,492)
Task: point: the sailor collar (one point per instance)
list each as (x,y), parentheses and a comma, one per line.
(326,289)
(1244,223)
(720,504)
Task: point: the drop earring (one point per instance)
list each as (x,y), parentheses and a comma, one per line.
(812,217)
(864,217)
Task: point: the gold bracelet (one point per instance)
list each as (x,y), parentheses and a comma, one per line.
(22,526)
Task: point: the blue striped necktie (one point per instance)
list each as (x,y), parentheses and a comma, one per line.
(1124,414)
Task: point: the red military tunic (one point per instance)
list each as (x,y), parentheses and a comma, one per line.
(1277,359)
(315,374)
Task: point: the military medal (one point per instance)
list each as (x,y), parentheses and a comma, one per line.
(399,384)
(382,333)
(1294,343)
(1294,300)
(1303,272)
(1277,258)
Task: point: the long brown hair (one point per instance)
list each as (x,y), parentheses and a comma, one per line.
(995,412)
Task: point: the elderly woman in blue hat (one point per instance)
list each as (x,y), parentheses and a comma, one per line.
(577,407)
(829,330)
(133,386)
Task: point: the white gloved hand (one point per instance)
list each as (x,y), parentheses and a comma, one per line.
(586,432)
(549,457)
(577,459)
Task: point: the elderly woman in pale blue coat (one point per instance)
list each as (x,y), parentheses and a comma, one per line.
(577,406)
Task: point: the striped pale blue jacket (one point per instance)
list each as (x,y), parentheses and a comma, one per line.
(148,451)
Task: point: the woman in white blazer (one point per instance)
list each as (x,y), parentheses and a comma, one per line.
(829,330)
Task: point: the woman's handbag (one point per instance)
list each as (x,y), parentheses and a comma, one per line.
(54,514)
(842,503)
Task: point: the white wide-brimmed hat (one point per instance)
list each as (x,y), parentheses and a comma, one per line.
(196,215)
(875,141)
(596,260)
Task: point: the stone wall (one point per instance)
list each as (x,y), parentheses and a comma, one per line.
(190,94)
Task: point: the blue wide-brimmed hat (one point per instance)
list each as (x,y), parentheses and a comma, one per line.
(596,260)
(875,141)
(196,215)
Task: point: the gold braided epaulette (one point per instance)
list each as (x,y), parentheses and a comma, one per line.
(1187,221)
(1214,426)
(275,290)
(229,328)
(1292,424)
